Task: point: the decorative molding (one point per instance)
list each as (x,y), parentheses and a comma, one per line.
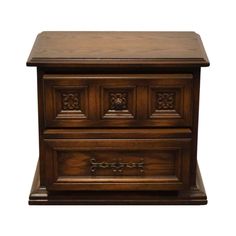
(118,101)
(70,101)
(165,101)
(117,166)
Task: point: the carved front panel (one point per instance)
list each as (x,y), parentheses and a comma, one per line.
(118,102)
(70,102)
(155,100)
(65,101)
(170,104)
(166,102)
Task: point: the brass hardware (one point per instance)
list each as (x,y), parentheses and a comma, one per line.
(116,166)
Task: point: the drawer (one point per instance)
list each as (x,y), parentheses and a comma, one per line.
(160,100)
(116,164)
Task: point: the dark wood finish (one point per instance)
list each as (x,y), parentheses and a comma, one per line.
(149,164)
(125,133)
(118,121)
(157,108)
(193,196)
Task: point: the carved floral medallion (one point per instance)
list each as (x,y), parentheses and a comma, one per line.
(118,101)
(165,101)
(70,101)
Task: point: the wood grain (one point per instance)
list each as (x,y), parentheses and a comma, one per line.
(103,87)
(165,164)
(194,196)
(118,47)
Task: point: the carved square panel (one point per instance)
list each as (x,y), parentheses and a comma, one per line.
(70,102)
(118,102)
(166,102)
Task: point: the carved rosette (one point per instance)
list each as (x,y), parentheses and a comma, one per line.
(165,101)
(118,101)
(70,101)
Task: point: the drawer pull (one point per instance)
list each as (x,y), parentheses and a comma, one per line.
(116,166)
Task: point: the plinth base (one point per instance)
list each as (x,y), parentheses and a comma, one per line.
(40,196)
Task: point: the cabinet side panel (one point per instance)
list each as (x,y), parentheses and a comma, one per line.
(196,91)
(41,125)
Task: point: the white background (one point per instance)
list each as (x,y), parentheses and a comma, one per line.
(21,21)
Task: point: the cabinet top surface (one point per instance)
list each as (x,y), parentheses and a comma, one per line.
(157,48)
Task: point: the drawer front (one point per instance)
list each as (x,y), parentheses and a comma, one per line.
(134,164)
(161,100)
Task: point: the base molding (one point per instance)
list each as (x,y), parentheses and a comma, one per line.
(40,196)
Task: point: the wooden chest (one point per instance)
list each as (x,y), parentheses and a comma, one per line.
(118,117)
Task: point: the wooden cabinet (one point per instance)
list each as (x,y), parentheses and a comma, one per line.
(118,121)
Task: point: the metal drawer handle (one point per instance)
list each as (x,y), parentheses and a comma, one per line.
(116,166)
